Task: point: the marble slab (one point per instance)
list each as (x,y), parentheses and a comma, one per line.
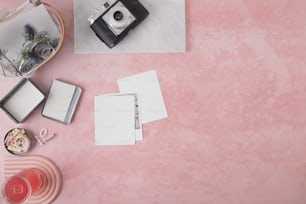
(162,31)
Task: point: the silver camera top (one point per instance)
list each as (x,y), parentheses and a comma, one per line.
(118,18)
(114,19)
(101,8)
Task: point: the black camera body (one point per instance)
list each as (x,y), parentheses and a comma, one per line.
(113,20)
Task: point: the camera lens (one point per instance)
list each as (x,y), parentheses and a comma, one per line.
(118,15)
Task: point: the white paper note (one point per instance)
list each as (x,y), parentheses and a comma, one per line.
(138,115)
(147,86)
(115,120)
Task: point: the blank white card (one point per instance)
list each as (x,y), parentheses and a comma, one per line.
(115,120)
(146,84)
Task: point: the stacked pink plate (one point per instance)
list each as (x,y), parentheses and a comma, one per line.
(52,180)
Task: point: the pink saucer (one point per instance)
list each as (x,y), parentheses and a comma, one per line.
(53,179)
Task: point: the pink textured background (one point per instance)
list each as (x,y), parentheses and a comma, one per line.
(236,101)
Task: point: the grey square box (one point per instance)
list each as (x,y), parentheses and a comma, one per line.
(22,100)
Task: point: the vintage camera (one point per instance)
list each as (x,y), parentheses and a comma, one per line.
(113,20)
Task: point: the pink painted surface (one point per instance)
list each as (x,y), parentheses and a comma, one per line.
(236,99)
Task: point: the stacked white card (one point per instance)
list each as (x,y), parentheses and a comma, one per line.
(119,117)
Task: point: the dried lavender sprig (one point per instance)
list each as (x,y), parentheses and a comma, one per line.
(3,55)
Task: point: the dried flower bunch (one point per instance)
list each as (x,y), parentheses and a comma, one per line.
(37,47)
